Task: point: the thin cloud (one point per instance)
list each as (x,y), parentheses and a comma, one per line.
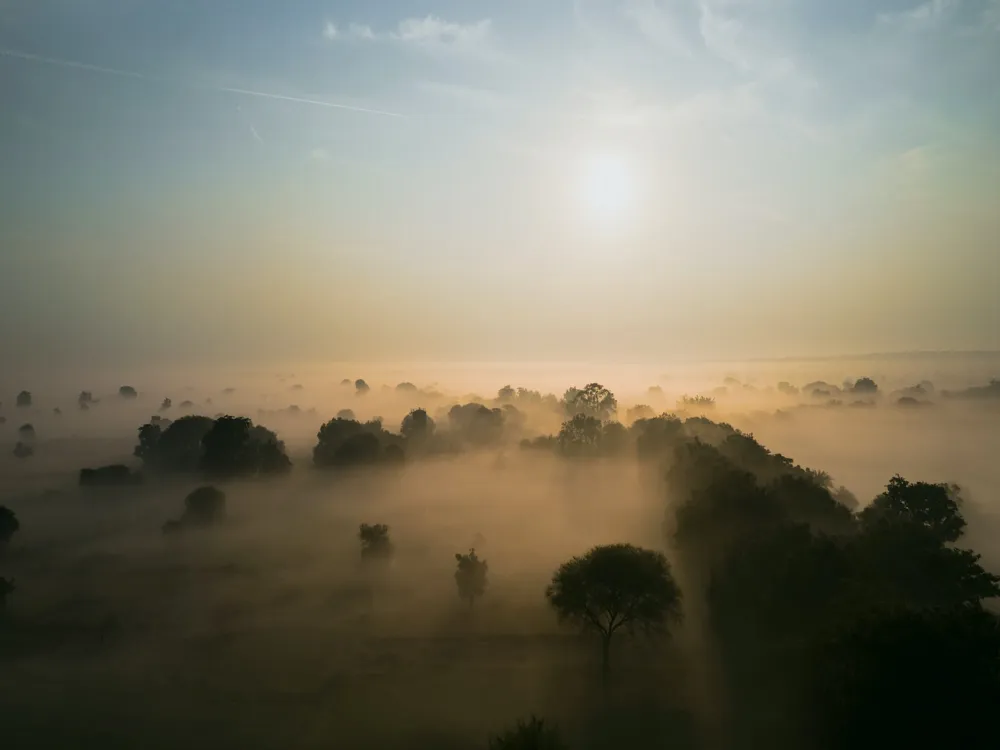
(330,30)
(430,34)
(659,26)
(256,135)
(73,64)
(930,14)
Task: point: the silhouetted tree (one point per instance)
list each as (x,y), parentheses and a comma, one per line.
(375,542)
(85,400)
(9,526)
(166,404)
(696,402)
(533,734)
(235,447)
(477,424)
(506,395)
(657,437)
(26,432)
(614,438)
(932,506)
(23,450)
(594,400)
(613,587)
(639,411)
(176,447)
(127,391)
(581,436)
(406,388)
(361,387)
(471,576)
(346,415)
(204,506)
(24,399)
(417,426)
(927,678)
(865,386)
(187,404)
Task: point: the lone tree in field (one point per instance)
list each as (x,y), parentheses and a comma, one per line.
(470,576)
(533,734)
(375,542)
(24,399)
(613,587)
(8,526)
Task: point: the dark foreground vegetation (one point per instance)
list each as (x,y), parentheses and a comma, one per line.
(663,582)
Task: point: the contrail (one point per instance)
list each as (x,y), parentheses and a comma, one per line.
(221,89)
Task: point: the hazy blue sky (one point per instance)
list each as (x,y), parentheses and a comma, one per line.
(628,180)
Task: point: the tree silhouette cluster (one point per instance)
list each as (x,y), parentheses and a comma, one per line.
(803,594)
(345,443)
(225,447)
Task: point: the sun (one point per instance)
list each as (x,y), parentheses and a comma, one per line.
(607,186)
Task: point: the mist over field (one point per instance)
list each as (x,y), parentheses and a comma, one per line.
(269,627)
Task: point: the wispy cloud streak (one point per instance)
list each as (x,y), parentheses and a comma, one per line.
(73,64)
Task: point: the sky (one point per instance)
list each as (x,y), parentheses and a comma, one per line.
(518,180)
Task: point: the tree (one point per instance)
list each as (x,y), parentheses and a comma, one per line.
(347,415)
(406,388)
(613,587)
(932,506)
(176,447)
(23,450)
(417,426)
(375,542)
(24,399)
(471,576)
(865,386)
(361,387)
(26,432)
(533,734)
(940,669)
(204,506)
(581,436)
(235,447)
(9,526)
(593,401)
(506,394)
(85,400)
(166,404)
(637,412)
(127,391)
(477,424)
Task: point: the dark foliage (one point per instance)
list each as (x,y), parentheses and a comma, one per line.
(166,404)
(615,587)
(127,391)
(203,507)
(347,415)
(406,388)
(375,542)
(175,448)
(934,507)
(910,678)
(23,450)
(343,443)
(117,475)
(477,424)
(85,400)
(417,426)
(865,386)
(471,576)
(7,588)
(26,432)
(361,387)
(9,525)
(24,399)
(533,734)
(235,447)
(977,393)
(594,400)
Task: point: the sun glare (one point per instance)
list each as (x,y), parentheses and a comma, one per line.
(607,186)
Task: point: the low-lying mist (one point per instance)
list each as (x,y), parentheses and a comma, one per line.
(264,626)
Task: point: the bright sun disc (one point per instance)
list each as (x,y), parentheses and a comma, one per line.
(607,186)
